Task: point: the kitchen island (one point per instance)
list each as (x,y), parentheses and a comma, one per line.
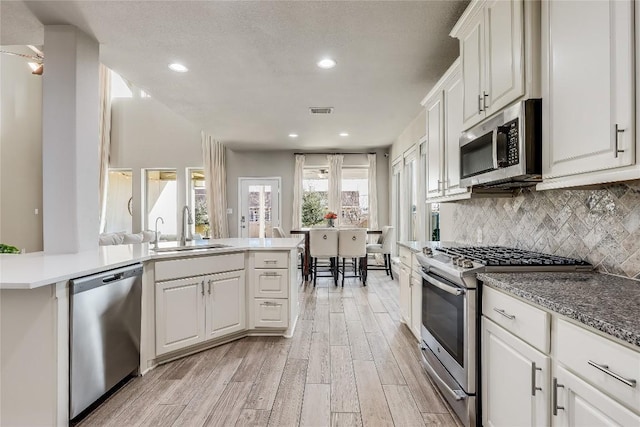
(34,311)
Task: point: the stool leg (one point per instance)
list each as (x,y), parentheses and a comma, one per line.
(314,270)
(386,264)
(365,272)
(336,270)
(343,272)
(390,270)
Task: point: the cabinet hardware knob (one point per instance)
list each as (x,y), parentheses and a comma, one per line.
(605,368)
(617,132)
(556,386)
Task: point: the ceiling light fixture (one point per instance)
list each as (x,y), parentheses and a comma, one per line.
(326,63)
(344,134)
(293,135)
(178,68)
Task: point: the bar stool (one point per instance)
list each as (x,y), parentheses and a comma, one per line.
(323,243)
(352,243)
(384,246)
(278,233)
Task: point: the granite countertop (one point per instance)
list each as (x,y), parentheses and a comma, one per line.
(36,269)
(608,303)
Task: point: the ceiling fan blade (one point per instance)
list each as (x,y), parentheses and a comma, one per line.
(35,58)
(37,51)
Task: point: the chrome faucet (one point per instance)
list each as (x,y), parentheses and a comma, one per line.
(155,240)
(183,231)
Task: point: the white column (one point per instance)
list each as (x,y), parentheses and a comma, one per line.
(70,111)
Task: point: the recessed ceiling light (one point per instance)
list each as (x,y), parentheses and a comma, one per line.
(293,135)
(326,63)
(344,134)
(179,68)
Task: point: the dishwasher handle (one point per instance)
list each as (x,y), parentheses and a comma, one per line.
(87,283)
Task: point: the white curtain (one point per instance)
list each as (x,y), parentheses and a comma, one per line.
(298,192)
(335,184)
(104,141)
(215,178)
(373,193)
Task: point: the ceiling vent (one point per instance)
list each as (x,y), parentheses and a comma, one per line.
(321,110)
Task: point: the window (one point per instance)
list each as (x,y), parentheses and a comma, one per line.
(434,212)
(355,197)
(198,202)
(161,187)
(315,191)
(118,215)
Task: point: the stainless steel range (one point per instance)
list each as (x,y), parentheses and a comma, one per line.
(451,307)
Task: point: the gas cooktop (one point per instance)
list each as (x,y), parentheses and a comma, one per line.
(501,256)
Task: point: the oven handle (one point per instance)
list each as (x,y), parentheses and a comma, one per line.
(455,394)
(453,290)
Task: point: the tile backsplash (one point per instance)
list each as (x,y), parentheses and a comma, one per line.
(601,226)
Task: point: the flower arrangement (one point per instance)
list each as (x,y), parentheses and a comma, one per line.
(330,215)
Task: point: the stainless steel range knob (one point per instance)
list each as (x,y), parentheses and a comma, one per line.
(467,263)
(427,251)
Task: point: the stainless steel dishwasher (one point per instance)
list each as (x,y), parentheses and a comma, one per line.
(104,335)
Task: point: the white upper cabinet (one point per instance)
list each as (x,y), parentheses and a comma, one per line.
(444,109)
(588,87)
(492,49)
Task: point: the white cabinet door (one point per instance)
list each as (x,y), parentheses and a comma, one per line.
(580,404)
(515,380)
(179,314)
(472,53)
(453,101)
(416,306)
(504,54)
(435,138)
(405,294)
(225,304)
(587,83)
(271,313)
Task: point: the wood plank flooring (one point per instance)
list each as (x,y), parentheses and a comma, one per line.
(350,363)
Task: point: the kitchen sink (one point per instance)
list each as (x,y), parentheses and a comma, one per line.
(190,246)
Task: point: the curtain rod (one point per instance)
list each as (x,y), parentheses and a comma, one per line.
(335,153)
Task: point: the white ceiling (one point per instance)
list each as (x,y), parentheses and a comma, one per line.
(252,64)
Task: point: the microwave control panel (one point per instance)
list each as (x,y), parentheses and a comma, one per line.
(511,135)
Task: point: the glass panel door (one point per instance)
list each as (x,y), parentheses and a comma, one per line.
(259,207)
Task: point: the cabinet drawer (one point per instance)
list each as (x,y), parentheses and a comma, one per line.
(272,283)
(197,266)
(271,259)
(523,320)
(580,350)
(405,255)
(271,313)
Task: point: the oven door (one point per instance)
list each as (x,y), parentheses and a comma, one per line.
(449,327)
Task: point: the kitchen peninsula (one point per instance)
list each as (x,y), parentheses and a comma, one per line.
(34,311)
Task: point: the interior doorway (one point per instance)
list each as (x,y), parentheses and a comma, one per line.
(258,206)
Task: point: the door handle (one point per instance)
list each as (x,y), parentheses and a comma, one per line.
(202,286)
(484,99)
(618,132)
(209,283)
(556,386)
(480,110)
(534,388)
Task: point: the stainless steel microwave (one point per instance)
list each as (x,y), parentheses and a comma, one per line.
(506,150)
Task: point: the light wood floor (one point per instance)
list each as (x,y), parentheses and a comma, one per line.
(350,362)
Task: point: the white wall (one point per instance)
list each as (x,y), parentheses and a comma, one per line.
(415,130)
(281,163)
(147,134)
(20,153)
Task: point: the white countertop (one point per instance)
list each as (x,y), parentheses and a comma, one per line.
(416,246)
(33,270)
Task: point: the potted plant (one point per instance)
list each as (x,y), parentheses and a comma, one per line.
(330,217)
(8,249)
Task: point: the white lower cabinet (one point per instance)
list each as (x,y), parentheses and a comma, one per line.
(271,313)
(180,314)
(196,309)
(225,308)
(416,306)
(405,293)
(578,404)
(515,380)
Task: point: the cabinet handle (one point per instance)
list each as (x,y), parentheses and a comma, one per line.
(202,286)
(605,369)
(534,368)
(480,110)
(556,386)
(484,99)
(271,274)
(270,261)
(500,311)
(271,304)
(209,283)
(618,132)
